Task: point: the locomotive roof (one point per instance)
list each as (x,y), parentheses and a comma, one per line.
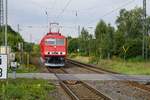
(54,35)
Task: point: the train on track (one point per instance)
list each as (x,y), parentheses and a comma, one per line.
(53,49)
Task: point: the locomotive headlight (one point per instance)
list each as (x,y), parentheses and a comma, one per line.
(46,53)
(63,53)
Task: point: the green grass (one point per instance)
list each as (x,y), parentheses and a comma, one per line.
(26,69)
(118,65)
(132,68)
(25,89)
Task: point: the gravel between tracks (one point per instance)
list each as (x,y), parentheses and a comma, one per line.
(119,90)
(79,89)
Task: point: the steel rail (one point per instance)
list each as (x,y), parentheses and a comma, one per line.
(91,67)
(70,92)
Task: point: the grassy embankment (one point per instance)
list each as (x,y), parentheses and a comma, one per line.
(26,89)
(118,65)
(26,69)
(33,67)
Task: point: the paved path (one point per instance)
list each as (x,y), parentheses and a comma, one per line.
(50,76)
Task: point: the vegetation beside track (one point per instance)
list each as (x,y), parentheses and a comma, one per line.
(26,69)
(125,41)
(26,89)
(119,65)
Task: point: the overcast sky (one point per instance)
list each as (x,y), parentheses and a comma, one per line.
(31,15)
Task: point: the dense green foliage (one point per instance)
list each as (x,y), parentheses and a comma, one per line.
(123,41)
(25,89)
(14,38)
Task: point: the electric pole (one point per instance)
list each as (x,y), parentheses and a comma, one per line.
(47,20)
(6,19)
(145,33)
(79,30)
(18,28)
(2,21)
(19,44)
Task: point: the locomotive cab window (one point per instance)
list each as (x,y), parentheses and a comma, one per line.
(60,41)
(50,42)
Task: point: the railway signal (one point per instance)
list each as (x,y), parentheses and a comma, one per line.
(125,49)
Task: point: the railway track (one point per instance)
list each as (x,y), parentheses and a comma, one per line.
(91,67)
(103,71)
(78,90)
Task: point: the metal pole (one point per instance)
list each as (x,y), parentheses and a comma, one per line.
(47,20)
(19,45)
(143,44)
(2,21)
(145,33)
(79,30)
(18,28)
(6,19)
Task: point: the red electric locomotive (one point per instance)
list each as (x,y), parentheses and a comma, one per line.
(53,49)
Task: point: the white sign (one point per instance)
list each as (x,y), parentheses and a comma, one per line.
(3,66)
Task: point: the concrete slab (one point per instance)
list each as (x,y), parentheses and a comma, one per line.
(51,76)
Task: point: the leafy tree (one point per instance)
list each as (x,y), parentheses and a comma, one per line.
(125,39)
(130,25)
(119,41)
(13,38)
(84,42)
(73,45)
(100,33)
(104,39)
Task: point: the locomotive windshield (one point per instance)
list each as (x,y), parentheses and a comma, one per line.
(55,42)
(59,41)
(50,41)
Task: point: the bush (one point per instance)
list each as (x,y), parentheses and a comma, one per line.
(136,59)
(94,60)
(26,89)
(72,55)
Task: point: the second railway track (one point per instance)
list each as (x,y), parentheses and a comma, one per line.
(103,71)
(91,67)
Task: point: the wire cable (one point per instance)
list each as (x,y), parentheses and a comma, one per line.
(108,13)
(63,10)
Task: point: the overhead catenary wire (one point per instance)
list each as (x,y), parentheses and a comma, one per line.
(63,10)
(112,11)
(39,26)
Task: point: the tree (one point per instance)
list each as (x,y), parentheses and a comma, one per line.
(84,42)
(104,39)
(130,25)
(13,38)
(73,45)
(100,33)
(110,42)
